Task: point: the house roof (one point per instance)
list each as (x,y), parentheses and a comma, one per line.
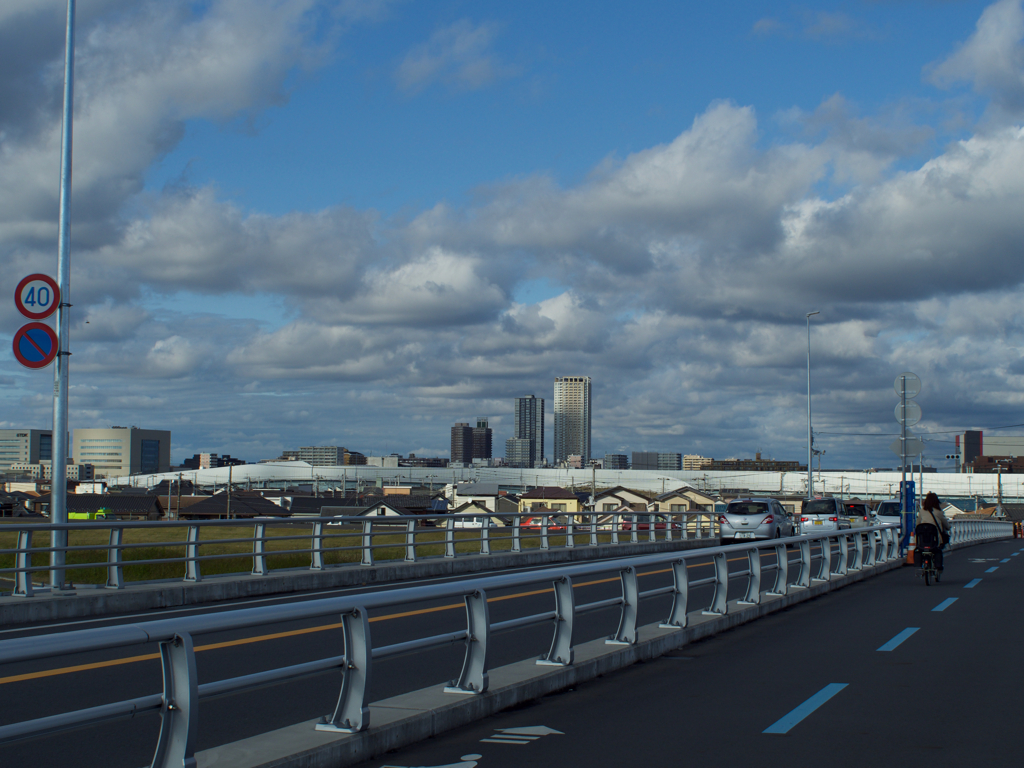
(242,505)
(548,492)
(127,504)
(478,489)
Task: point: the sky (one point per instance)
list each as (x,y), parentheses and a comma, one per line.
(357,222)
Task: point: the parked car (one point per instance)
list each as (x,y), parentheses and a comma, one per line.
(822,516)
(644,521)
(556,523)
(858,513)
(888,511)
(754,519)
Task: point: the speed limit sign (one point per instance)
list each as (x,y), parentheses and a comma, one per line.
(37,296)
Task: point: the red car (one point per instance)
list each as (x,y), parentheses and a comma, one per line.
(556,523)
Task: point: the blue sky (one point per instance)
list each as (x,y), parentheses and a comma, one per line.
(356,222)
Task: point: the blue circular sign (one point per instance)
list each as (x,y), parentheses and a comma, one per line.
(35,345)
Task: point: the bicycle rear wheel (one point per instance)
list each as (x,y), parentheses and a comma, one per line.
(927,575)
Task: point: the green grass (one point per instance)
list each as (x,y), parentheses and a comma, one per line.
(341,544)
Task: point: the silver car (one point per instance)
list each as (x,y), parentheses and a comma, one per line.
(754,519)
(889,512)
(858,513)
(823,516)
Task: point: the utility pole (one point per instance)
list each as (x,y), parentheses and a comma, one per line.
(810,434)
(59,474)
(229,493)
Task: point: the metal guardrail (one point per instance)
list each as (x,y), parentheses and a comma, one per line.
(359,535)
(178,702)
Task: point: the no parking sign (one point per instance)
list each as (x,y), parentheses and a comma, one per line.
(36,344)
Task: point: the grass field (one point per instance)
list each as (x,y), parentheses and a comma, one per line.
(341,544)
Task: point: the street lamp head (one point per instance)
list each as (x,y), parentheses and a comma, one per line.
(813,313)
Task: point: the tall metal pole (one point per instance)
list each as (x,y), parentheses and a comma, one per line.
(810,444)
(59,440)
(903,452)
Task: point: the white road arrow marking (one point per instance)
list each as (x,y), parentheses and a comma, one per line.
(533,730)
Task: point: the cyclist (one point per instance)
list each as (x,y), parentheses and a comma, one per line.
(932,532)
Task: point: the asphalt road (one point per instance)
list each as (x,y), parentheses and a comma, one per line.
(46,687)
(886,672)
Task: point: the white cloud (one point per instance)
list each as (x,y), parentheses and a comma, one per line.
(460,55)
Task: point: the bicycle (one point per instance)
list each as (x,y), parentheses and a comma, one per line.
(928,569)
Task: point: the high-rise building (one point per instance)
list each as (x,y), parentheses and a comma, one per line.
(693,462)
(671,462)
(482,440)
(518,452)
(25,446)
(529,426)
(123,451)
(462,443)
(572,418)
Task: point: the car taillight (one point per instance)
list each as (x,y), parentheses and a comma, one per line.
(722,520)
(865,518)
(767,520)
(804,519)
(833,519)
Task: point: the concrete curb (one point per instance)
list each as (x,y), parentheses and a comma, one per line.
(144,596)
(412,717)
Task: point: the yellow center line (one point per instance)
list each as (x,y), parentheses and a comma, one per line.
(309,630)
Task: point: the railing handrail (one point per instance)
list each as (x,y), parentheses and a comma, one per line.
(158,630)
(178,703)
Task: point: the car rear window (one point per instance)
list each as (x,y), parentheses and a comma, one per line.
(820,507)
(747,508)
(888,508)
(855,509)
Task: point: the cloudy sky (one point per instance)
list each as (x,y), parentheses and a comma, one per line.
(355,222)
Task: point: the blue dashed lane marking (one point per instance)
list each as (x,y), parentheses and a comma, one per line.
(895,642)
(972,583)
(793,718)
(944,604)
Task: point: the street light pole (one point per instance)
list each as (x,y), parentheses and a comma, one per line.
(810,477)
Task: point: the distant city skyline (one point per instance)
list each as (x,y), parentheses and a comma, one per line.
(356,223)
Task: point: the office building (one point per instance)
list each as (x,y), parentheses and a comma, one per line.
(44,470)
(670,462)
(694,463)
(645,460)
(529,426)
(123,451)
(615,461)
(25,446)
(972,445)
(572,418)
(482,440)
(323,456)
(210,461)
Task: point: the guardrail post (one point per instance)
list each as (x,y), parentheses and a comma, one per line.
(593,528)
(517,531)
(870,551)
(193,572)
(634,534)
(352,713)
(367,547)
(680,594)
(753,595)
(485,536)
(844,554)
(626,633)
(316,547)
(115,573)
(410,541)
(570,532)
(652,529)
(825,566)
(891,544)
(449,538)
(615,527)
(858,552)
(562,653)
(179,711)
(22,562)
(803,580)
(781,587)
(478,629)
(668,526)
(259,558)
(720,602)
(544,532)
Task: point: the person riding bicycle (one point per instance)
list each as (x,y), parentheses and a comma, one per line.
(932,532)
